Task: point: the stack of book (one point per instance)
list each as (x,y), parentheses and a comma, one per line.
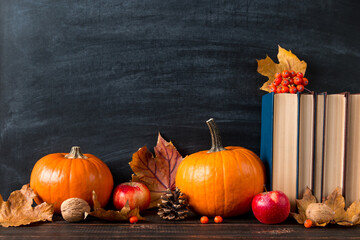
(311,140)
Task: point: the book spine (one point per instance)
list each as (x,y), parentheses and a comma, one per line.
(266,145)
(347,96)
(313,139)
(322,158)
(297,144)
(314,152)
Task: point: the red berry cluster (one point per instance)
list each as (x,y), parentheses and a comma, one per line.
(288,81)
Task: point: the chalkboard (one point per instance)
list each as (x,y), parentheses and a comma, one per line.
(109,75)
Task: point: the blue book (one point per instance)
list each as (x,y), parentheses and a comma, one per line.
(266,146)
(280,142)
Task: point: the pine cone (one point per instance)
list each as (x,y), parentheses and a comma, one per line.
(173,205)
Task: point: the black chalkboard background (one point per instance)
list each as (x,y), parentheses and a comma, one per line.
(109,75)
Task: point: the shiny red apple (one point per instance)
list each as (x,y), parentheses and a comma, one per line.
(136,193)
(271,207)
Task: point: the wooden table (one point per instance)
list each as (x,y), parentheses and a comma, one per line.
(155,228)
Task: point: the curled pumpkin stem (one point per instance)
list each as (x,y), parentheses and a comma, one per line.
(215,137)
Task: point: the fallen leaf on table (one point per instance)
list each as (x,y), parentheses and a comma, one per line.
(352,215)
(335,201)
(302,205)
(18,210)
(111,215)
(157,173)
(287,61)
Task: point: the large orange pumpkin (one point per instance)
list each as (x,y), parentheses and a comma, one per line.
(59,176)
(221,181)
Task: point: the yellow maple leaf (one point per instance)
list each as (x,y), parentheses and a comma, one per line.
(18,210)
(287,61)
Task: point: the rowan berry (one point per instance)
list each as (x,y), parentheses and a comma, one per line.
(308,223)
(284,89)
(218,219)
(300,88)
(277,75)
(293,89)
(305,81)
(277,81)
(285,74)
(298,81)
(285,82)
(292,73)
(133,219)
(204,219)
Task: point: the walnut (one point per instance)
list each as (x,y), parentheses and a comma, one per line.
(320,213)
(73,209)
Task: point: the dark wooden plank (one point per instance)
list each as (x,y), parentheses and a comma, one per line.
(155,228)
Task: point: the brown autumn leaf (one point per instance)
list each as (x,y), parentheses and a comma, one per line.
(18,210)
(111,215)
(352,215)
(302,205)
(157,173)
(287,61)
(335,201)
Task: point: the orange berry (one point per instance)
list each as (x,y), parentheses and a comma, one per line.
(277,81)
(298,81)
(293,89)
(285,74)
(133,219)
(292,73)
(285,82)
(277,75)
(308,223)
(218,219)
(284,89)
(300,88)
(204,219)
(300,75)
(305,81)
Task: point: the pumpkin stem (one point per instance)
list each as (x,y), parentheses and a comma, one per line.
(75,152)
(215,137)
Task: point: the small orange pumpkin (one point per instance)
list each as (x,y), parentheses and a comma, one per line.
(59,176)
(221,181)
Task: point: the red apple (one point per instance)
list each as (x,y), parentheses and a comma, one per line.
(271,207)
(136,193)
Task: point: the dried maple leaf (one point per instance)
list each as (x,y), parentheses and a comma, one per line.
(111,215)
(287,61)
(352,215)
(18,210)
(302,205)
(157,173)
(337,203)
